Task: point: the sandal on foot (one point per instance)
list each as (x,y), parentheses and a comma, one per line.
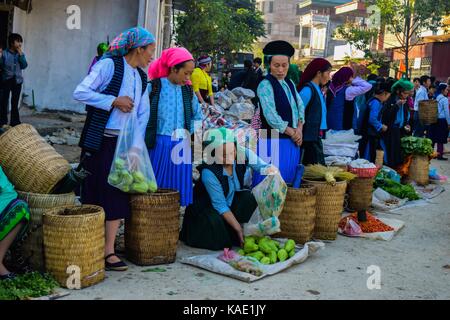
(117,266)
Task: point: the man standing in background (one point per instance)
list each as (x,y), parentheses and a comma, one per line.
(12,62)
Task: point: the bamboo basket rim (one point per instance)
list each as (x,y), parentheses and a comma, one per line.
(56,212)
(324,182)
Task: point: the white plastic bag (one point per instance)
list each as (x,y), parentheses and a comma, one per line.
(243,111)
(131,170)
(242,92)
(270,195)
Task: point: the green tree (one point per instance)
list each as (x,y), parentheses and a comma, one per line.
(219,27)
(406,19)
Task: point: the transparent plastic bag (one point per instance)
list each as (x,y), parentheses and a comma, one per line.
(132,170)
(270,195)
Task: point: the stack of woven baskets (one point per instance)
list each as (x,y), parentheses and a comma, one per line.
(34,168)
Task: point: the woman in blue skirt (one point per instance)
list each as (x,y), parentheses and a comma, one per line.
(282,114)
(173,109)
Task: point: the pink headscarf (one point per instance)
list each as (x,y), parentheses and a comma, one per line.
(160,68)
(340,78)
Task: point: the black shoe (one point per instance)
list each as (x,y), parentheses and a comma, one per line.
(442,158)
(9,276)
(118,266)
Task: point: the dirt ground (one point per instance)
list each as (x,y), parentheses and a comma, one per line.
(414,265)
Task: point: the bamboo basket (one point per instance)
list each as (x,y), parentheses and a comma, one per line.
(31,164)
(75,237)
(152,232)
(419,171)
(33,245)
(299,214)
(428,112)
(329,207)
(360,194)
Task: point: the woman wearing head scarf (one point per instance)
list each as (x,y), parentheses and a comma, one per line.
(202,82)
(173,109)
(282,113)
(221,202)
(115,86)
(14,218)
(372,125)
(438,132)
(316,75)
(101,50)
(344,88)
(395,115)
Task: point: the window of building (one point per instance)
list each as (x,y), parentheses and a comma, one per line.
(306,32)
(299,10)
(271,7)
(263,6)
(297,31)
(269,28)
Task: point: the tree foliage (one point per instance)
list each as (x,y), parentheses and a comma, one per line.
(219,26)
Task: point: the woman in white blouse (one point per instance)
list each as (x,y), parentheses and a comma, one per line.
(114,88)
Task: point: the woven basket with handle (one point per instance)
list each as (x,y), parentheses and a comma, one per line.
(151,234)
(74,239)
(428,112)
(299,214)
(31,164)
(329,208)
(33,245)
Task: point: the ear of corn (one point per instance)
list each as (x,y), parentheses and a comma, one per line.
(318,172)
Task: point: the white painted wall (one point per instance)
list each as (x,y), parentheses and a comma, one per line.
(59,58)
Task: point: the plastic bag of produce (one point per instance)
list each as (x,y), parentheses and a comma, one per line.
(132,170)
(242,92)
(223,100)
(270,195)
(243,111)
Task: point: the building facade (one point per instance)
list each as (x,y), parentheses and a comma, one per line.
(281,17)
(317,21)
(61,37)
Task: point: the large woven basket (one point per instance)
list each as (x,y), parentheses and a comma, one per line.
(360,194)
(74,237)
(33,245)
(299,214)
(428,112)
(31,164)
(329,207)
(151,234)
(419,171)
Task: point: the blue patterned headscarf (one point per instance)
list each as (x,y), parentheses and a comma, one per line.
(130,39)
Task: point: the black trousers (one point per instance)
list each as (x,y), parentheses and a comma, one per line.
(10,88)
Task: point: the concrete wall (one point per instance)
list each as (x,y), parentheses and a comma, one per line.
(283,19)
(59,58)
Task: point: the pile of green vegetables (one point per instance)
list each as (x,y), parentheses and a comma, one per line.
(417,146)
(267,251)
(27,286)
(402,191)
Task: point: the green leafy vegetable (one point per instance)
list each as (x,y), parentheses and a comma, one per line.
(417,146)
(30,285)
(402,191)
